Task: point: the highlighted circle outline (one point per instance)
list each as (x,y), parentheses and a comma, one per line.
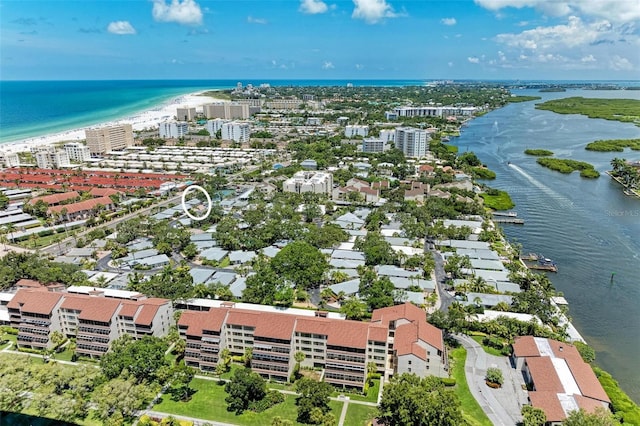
(206,194)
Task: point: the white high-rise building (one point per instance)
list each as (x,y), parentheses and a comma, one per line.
(48,157)
(236,131)
(351,131)
(413,142)
(9,159)
(77,151)
(228,110)
(388,135)
(213,126)
(173,129)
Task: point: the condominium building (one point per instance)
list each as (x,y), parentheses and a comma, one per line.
(77,151)
(48,157)
(95,319)
(397,340)
(173,129)
(351,131)
(283,104)
(434,111)
(227,110)
(186,114)
(373,145)
(9,159)
(236,131)
(306,181)
(114,138)
(213,126)
(413,142)
(388,135)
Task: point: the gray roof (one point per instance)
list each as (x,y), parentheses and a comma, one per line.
(415,297)
(348,287)
(271,251)
(346,263)
(140,245)
(224,278)
(490,275)
(494,265)
(200,275)
(152,261)
(67,259)
(362,213)
(240,256)
(138,255)
(483,245)
(357,232)
(398,241)
(488,299)
(478,254)
(347,254)
(214,253)
(80,252)
(460,223)
(507,287)
(404,282)
(394,271)
(350,272)
(98,243)
(238,286)
(349,220)
(203,245)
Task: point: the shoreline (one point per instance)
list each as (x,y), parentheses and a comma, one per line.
(139,120)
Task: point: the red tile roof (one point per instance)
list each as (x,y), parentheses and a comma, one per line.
(349,334)
(544,374)
(548,402)
(525,346)
(242,317)
(275,326)
(320,326)
(35,301)
(407,311)
(55,198)
(128,310)
(100,309)
(196,322)
(82,205)
(378,333)
(587,381)
(103,192)
(25,283)
(146,314)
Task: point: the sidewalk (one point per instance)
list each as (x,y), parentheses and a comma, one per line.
(503,405)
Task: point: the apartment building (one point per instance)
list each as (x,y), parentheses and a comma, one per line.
(186,114)
(114,138)
(9,159)
(434,111)
(306,181)
(413,142)
(373,145)
(48,157)
(236,131)
(77,151)
(351,131)
(283,104)
(227,110)
(397,340)
(173,129)
(95,319)
(214,125)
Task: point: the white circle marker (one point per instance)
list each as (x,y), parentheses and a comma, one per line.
(206,194)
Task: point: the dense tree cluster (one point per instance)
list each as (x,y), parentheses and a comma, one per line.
(15,266)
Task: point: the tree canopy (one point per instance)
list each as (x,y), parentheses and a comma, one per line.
(300,263)
(244,388)
(141,358)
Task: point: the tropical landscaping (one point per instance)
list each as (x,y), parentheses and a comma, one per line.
(538,152)
(567,166)
(614,145)
(625,110)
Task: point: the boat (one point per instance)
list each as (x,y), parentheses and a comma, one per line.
(539,262)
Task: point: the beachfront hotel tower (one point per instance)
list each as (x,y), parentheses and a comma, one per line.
(105,139)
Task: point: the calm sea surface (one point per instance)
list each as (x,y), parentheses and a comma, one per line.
(588,226)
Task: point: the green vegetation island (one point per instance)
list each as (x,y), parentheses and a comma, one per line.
(624,110)
(568,166)
(516,99)
(538,152)
(614,145)
(552,89)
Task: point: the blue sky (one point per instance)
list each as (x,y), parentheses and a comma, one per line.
(318,39)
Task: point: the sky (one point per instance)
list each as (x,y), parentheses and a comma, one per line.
(320,39)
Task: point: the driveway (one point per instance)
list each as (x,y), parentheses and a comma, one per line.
(503,405)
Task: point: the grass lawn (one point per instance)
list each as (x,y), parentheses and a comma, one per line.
(471,410)
(371,396)
(208,403)
(359,415)
(225,262)
(487,349)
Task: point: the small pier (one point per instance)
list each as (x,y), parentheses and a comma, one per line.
(543,267)
(505,214)
(513,220)
(538,262)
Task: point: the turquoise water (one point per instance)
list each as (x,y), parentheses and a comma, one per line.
(36,108)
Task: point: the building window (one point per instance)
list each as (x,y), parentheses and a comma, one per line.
(409,362)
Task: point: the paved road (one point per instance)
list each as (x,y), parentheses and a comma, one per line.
(503,405)
(444,298)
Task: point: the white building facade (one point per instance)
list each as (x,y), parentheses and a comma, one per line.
(373,145)
(351,131)
(236,131)
(304,181)
(412,142)
(173,129)
(77,151)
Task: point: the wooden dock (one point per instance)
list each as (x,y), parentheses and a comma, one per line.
(507,214)
(508,220)
(539,267)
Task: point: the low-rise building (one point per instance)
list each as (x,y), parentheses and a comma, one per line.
(316,182)
(398,340)
(351,131)
(373,145)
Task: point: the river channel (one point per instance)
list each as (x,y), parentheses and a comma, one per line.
(589,227)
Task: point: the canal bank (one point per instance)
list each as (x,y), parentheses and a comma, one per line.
(588,226)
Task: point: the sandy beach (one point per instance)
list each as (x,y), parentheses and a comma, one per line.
(140,121)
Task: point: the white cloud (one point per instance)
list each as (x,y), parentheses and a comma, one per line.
(328,65)
(588,58)
(359,67)
(618,63)
(614,10)
(448,21)
(121,28)
(313,7)
(252,20)
(473,59)
(185,12)
(450,64)
(372,11)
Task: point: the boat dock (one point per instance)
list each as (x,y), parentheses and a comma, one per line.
(507,214)
(538,262)
(508,220)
